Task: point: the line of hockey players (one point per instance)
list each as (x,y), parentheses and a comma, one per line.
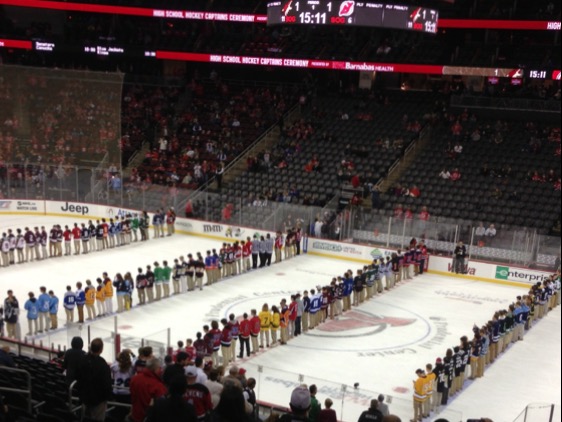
(275,325)
(152,283)
(468,360)
(28,245)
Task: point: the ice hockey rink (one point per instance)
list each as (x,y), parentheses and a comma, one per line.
(377,346)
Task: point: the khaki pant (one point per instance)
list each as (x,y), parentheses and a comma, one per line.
(12,329)
(84,247)
(109,304)
(379,286)
(32,327)
(150,294)
(226,358)
(190,283)
(20,256)
(264,337)
(215,358)
(199,283)
(101,307)
(284,335)
(166,288)
(474,366)
(418,410)
(80,309)
(481,366)
(255,346)
(274,335)
(142,296)
(67,248)
(278,255)
(44,321)
(54,321)
(120,303)
(29,251)
(305,321)
(177,286)
(69,315)
(77,247)
(158,288)
(436,401)
(427,404)
(91,311)
(5,259)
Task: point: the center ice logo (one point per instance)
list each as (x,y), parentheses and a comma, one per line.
(360,323)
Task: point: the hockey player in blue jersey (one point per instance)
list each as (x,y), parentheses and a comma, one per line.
(43,308)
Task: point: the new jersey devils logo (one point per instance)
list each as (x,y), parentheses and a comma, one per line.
(347,8)
(365,324)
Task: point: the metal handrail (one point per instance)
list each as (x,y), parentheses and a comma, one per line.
(17,390)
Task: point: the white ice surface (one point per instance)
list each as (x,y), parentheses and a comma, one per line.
(428,315)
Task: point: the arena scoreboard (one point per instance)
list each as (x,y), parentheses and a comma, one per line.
(352,13)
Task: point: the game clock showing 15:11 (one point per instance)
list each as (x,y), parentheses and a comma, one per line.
(352,13)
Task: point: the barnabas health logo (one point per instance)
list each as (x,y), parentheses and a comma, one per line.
(502,273)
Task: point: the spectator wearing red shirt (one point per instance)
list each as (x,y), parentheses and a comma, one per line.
(424,214)
(327,414)
(356,181)
(146,386)
(197,394)
(415,192)
(227,213)
(557,185)
(399,212)
(408,214)
(455,175)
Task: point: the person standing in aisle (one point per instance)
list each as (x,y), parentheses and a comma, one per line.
(11,314)
(43,309)
(53,310)
(32,314)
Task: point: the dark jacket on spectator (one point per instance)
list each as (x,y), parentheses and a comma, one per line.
(94,380)
(73,359)
(171,409)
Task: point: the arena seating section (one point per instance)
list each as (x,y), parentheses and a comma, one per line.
(473,197)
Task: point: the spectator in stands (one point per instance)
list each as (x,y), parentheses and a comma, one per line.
(372,414)
(94,382)
(455,175)
(458,149)
(445,174)
(173,407)
(382,406)
(73,359)
(232,406)
(315,406)
(490,233)
(146,386)
(327,414)
(415,192)
(424,214)
(300,405)
(176,369)
(480,232)
(5,358)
